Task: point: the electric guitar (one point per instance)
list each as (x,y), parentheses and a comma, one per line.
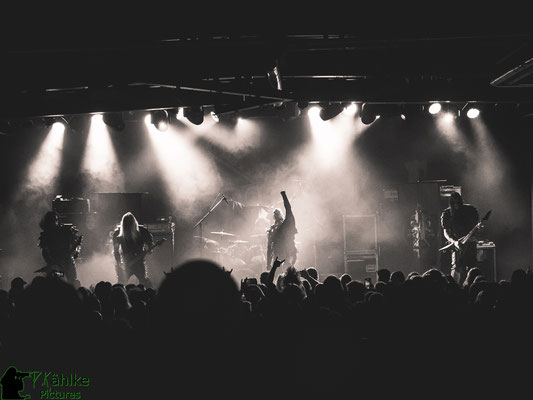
(458,245)
(141,256)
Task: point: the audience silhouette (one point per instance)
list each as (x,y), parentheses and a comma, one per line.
(200,331)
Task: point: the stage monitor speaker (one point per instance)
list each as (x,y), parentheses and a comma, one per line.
(486,259)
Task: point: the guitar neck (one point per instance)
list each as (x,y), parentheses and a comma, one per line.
(469,234)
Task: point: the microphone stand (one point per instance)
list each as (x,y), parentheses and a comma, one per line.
(199,224)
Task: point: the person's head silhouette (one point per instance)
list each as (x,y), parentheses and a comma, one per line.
(12,383)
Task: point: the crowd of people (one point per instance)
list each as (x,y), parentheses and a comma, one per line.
(286,331)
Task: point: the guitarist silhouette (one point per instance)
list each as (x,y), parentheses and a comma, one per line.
(60,247)
(131,243)
(460,222)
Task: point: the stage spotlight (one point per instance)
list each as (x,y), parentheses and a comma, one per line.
(434,108)
(114,120)
(329,111)
(159,119)
(194,114)
(302,105)
(368,113)
(49,121)
(472,112)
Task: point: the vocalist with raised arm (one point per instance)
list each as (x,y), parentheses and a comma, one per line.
(280,236)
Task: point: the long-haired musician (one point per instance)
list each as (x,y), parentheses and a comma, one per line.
(131,242)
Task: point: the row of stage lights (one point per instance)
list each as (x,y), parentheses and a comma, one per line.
(368,113)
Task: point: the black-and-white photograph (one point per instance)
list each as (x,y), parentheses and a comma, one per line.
(319,212)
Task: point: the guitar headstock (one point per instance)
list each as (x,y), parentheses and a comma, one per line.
(481,224)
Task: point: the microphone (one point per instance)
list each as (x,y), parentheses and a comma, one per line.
(224,197)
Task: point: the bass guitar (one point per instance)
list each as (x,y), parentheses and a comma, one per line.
(458,244)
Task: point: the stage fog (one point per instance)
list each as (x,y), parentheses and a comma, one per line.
(329,169)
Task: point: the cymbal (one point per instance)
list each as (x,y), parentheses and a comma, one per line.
(206,240)
(223,234)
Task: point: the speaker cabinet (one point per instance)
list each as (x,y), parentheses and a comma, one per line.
(361,265)
(486,260)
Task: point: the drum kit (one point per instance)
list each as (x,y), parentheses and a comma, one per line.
(231,252)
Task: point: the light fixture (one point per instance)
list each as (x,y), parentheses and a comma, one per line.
(434,108)
(194,114)
(330,110)
(274,78)
(472,112)
(368,113)
(48,121)
(114,120)
(302,105)
(159,119)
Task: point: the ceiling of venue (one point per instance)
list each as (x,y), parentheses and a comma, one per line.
(67,74)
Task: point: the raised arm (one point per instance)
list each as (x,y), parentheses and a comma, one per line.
(289,216)
(272,273)
(286,202)
(304,274)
